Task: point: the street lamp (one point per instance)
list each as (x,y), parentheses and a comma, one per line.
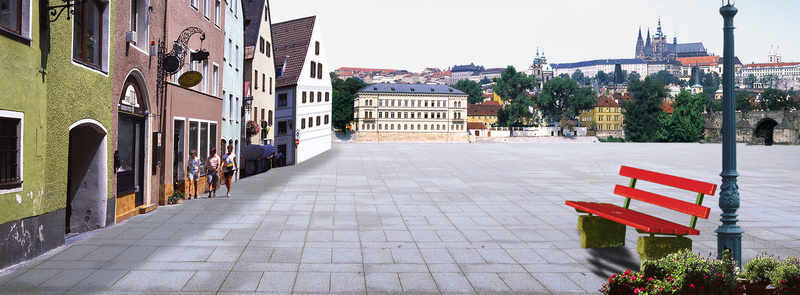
(729,234)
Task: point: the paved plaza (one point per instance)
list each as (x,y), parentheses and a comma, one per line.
(414,218)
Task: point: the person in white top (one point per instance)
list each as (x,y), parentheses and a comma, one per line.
(193,169)
(230,166)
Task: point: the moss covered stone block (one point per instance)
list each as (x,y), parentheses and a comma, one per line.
(598,232)
(650,248)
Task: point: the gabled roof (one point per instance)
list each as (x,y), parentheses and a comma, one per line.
(252,10)
(482,110)
(410,88)
(291,40)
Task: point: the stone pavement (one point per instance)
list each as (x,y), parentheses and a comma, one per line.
(413,218)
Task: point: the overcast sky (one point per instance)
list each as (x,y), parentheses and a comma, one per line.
(415,34)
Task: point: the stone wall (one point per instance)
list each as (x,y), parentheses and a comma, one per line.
(785,131)
(411,136)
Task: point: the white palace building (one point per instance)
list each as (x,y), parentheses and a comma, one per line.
(410,112)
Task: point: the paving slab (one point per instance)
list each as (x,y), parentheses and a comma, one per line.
(415,218)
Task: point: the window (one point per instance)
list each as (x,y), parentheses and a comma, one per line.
(318,119)
(194,4)
(282,127)
(255,79)
(225,102)
(310,122)
(205,74)
(88,34)
(327,96)
(206,9)
(304,97)
(326,120)
(316,48)
(237,53)
(15,16)
(268,50)
(230,106)
(303,123)
(283,100)
(230,52)
(319,96)
(269,119)
(236,110)
(214,79)
(263,81)
(319,70)
(202,137)
(261,44)
(270,85)
(217,8)
(313,69)
(10,150)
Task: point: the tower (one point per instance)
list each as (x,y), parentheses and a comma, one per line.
(773,58)
(639,45)
(778,55)
(659,43)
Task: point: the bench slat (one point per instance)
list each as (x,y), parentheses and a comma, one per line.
(666,202)
(633,218)
(669,180)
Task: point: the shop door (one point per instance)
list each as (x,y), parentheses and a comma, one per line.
(130,144)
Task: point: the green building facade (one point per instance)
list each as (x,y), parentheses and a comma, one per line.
(56,91)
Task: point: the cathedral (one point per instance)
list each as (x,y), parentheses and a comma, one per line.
(656,49)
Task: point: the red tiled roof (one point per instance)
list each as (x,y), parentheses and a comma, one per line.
(772,65)
(291,40)
(476,125)
(667,107)
(491,102)
(699,60)
(368,70)
(482,110)
(605,101)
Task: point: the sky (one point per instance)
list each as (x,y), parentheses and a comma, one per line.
(416,34)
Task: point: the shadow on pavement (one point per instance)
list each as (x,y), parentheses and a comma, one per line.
(612,260)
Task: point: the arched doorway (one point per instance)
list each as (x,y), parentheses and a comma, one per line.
(764,129)
(87,177)
(130,155)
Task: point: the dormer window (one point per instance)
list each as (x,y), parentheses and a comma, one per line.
(316,48)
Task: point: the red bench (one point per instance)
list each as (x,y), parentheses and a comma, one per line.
(605,224)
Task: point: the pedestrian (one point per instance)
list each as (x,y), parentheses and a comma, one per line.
(193,169)
(212,172)
(231,165)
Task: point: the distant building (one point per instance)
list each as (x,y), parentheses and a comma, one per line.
(591,67)
(410,112)
(463,72)
(605,118)
(540,69)
(482,113)
(657,48)
(775,73)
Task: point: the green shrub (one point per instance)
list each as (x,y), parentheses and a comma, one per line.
(786,277)
(758,269)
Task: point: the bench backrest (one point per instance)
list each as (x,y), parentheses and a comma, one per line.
(694,209)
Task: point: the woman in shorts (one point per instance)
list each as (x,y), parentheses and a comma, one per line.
(212,172)
(230,167)
(193,169)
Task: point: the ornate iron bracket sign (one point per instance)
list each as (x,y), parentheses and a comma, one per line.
(57,10)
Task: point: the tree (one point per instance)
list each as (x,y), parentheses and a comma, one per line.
(633,76)
(342,105)
(641,113)
(603,78)
(564,75)
(485,80)
(686,122)
(578,76)
(472,88)
(666,77)
(513,87)
(743,102)
(562,99)
(774,99)
(713,105)
(750,80)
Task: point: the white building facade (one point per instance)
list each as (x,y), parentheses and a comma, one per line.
(303,91)
(590,68)
(411,112)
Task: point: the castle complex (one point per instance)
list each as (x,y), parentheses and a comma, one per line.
(657,49)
